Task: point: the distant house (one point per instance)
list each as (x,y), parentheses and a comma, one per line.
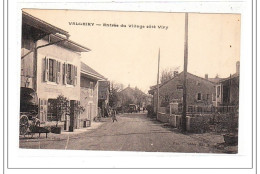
(89,86)
(133,96)
(200,92)
(50,64)
(227,89)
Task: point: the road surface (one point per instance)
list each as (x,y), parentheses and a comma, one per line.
(132,132)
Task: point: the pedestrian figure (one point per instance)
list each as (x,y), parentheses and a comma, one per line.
(113,114)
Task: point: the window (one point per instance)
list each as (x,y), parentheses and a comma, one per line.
(69,74)
(207,96)
(218,91)
(199,97)
(52,70)
(52,110)
(214,97)
(91,87)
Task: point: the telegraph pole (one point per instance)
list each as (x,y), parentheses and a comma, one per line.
(184,107)
(158,97)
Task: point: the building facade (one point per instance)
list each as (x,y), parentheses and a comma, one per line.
(89,82)
(227,89)
(51,66)
(200,92)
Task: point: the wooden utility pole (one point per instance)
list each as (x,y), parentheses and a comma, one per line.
(184,104)
(158,97)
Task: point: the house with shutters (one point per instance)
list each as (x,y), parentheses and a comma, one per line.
(200,92)
(51,66)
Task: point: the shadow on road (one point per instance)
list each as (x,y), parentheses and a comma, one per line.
(133,133)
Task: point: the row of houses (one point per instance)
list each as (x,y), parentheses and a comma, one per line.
(51,65)
(201,92)
(135,96)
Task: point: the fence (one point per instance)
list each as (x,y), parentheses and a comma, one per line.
(203,119)
(206,109)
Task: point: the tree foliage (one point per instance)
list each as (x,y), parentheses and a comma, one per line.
(167,74)
(115,88)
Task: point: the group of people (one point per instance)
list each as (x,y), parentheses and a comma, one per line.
(107,112)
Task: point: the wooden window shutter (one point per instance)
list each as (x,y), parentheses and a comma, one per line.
(65,73)
(58,73)
(76,75)
(46,75)
(72,74)
(60,69)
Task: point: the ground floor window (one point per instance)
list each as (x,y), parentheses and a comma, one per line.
(52,110)
(199,97)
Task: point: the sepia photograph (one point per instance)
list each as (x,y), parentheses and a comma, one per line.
(129,81)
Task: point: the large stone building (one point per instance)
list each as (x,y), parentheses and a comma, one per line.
(51,66)
(200,92)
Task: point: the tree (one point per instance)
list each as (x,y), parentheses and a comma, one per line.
(167,74)
(114,93)
(63,108)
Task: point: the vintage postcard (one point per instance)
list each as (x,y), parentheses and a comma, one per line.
(129,81)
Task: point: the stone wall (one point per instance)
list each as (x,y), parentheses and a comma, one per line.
(162,117)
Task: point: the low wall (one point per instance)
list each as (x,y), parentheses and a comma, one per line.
(175,121)
(162,117)
(198,124)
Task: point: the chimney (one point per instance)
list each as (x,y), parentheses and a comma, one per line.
(238,67)
(175,73)
(206,76)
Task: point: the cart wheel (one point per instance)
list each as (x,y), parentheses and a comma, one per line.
(24,124)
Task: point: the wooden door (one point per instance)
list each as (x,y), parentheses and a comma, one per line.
(43,110)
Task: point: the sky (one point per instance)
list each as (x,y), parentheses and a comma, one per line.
(129,55)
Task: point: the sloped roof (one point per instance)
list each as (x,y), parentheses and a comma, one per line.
(42,25)
(215,80)
(68,43)
(41,29)
(85,69)
(131,91)
(230,77)
(162,84)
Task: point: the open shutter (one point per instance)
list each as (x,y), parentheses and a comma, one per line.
(58,73)
(46,74)
(43,109)
(60,67)
(72,74)
(65,73)
(76,76)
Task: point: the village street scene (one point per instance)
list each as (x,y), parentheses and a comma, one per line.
(81,94)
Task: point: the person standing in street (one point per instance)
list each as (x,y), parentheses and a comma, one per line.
(113,114)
